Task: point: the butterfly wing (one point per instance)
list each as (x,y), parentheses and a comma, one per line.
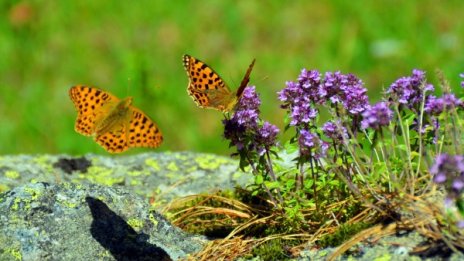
(91,104)
(115,140)
(206,87)
(245,80)
(133,130)
(142,131)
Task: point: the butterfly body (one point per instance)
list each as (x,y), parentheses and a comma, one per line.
(119,115)
(114,124)
(207,88)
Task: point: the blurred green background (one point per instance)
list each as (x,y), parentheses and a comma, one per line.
(134,48)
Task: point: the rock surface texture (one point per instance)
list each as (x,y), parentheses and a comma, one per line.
(58,207)
(67,221)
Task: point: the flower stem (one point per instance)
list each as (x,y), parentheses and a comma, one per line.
(273,177)
(255,171)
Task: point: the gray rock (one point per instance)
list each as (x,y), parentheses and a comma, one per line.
(68,221)
(159,176)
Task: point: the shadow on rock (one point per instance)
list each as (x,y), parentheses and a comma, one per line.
(115,235)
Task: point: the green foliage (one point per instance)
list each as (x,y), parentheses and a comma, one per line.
(343,233)
(274,249)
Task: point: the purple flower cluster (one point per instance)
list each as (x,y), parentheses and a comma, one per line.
(337,90)
(377,116)
(311,145)
(449,170)
(336,131)
(347,90)
(435,106)
(266,137)
(243,128)
(247,112)
(301,97)
(409,90)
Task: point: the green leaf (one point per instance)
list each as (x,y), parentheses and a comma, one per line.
(272,184)
(308,184)
(290,183)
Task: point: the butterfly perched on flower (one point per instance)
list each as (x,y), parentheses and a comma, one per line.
(114,123)
(208,89)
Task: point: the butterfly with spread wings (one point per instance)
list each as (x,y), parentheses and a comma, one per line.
(114,123)
(208,89)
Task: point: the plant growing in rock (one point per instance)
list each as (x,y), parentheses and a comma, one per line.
(368,163)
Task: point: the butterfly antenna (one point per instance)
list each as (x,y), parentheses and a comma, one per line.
(128,86)
(246,79)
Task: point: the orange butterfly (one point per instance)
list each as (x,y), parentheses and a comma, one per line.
(115,124)
(207,88)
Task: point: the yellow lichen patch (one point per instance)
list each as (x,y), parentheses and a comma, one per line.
(136,224)
(15,253)
(17,202)
(153,219)
(181,157)
(172,166)
(136,173)
(4,188)
(65,201)
(33,192)
(153,163)
(104,255)
(101,198)
(15,205)
(12,174)
(192,169)
(72,186)
(209,162)
(43,161)
(101,175)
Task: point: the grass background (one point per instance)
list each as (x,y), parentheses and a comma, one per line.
(134,48)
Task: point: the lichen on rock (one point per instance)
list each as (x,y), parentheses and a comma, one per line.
(68,221)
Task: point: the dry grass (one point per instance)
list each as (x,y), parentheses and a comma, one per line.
(406,213)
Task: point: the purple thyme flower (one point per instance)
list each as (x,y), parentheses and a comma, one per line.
(303,113)
(299,97)
(247,118)
(265,137)
(409,90)
(234,132)
(377,116)
(310,82)
(335,131)
(250,99)
(356,100)
(347,90)
(306,139)
(311,145)
(435,105)
(243,128)
(247,112)
(449,170)
(450,101)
